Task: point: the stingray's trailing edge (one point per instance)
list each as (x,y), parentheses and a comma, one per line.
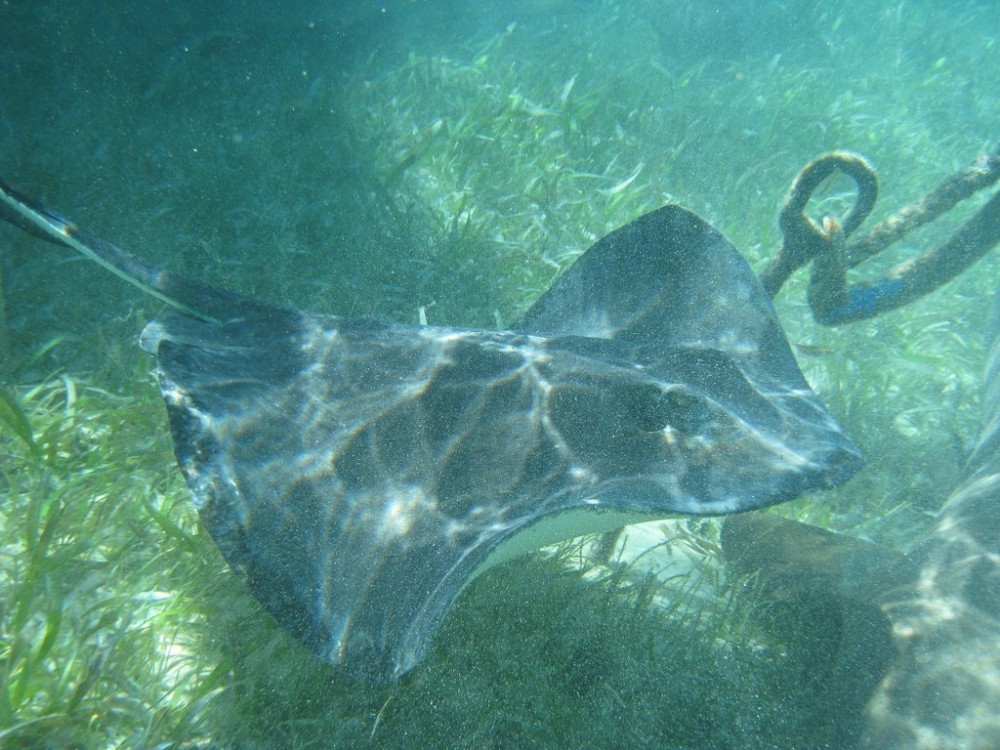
(358,474)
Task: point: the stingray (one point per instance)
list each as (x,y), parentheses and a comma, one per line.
(358,474)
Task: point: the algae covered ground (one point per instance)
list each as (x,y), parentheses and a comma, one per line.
(421,159)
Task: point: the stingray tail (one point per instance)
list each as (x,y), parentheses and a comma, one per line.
(187,296)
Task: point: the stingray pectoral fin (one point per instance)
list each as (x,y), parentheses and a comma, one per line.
(669,279)
(358,475)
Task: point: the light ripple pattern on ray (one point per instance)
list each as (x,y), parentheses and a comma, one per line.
(357,475)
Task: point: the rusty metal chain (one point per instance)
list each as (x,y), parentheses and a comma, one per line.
(833,302)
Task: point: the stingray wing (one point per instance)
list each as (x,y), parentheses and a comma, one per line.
(667,280)
(672,295)
(358,475)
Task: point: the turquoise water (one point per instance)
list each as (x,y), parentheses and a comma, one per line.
(426,160)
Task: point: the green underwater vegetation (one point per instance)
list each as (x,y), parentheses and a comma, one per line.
(451,179)
(123,628)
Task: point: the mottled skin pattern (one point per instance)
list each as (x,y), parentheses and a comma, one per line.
(357,474)
(902,652)
(943,691)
